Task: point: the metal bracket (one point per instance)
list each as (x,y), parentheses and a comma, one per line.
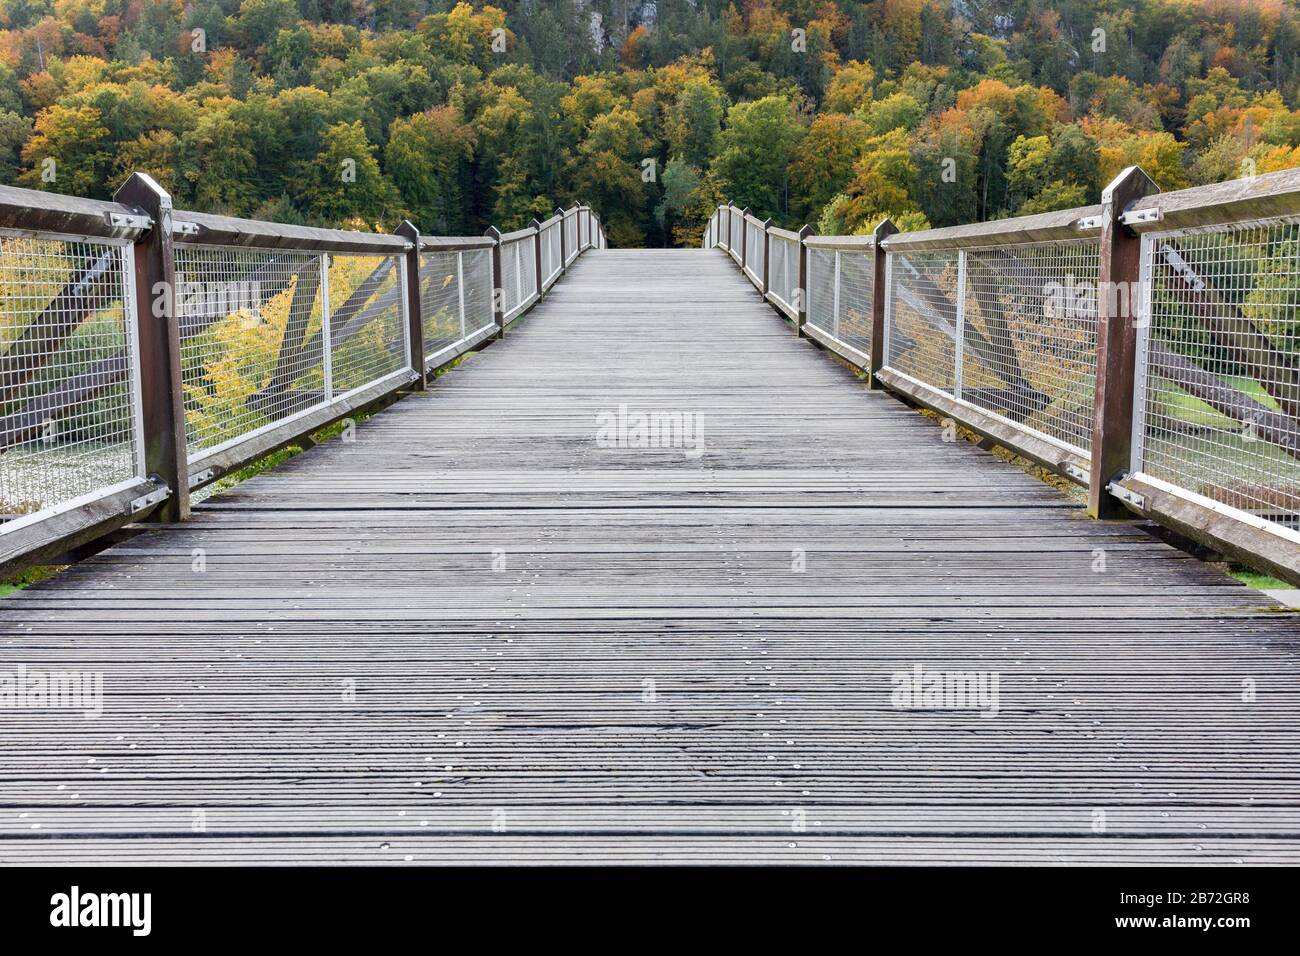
(124,220)
(1074,471)
(180,228)
(1180,266)
(1135,216)
(1128,497)
(198,478)
(146,501)
(1089,222)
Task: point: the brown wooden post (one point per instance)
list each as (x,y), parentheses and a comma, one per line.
(801,290)
(1118,289)
(498,293)
(537,255)
(414,312)
(161,396)
(878,295)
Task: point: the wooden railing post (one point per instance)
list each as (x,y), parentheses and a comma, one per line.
(162,407)
(801,290)
(414,312)
(1118,289)
(878,297)
(498,290)
(537,256)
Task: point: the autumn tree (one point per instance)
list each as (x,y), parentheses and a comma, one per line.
(754,154)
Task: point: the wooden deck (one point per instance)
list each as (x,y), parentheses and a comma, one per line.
(648,680)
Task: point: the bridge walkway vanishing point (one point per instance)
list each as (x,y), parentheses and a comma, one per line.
(472,635)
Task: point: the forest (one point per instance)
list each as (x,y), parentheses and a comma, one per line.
(459,115)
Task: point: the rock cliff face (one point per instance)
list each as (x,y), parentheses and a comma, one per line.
(624,17)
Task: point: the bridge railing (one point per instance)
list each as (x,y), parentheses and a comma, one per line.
(840,294)
(145,352)
(1146,348)
(987,320)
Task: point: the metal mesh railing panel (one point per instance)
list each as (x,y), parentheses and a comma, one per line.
(783,270)
(551,264)
(1029,340)
(518,274)
(856,294)
(476,276)
(754,251)
(444,325)
(922,320)
(1219,366)
(529,252)
(367,320)
(821,290)
(512,278)
(570,237)
(250,332)
(67,373)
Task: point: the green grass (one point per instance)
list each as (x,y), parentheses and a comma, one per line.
(1256,580)
(25,579)
(1184,407)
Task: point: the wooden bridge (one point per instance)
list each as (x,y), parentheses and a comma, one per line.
(475,633)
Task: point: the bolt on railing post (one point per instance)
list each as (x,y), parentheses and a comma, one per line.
(537,256)
(414,313)
(767,254)
(498,288)
(883,231)
(1118,288)
(801,289)
(162,406)
(563,252)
